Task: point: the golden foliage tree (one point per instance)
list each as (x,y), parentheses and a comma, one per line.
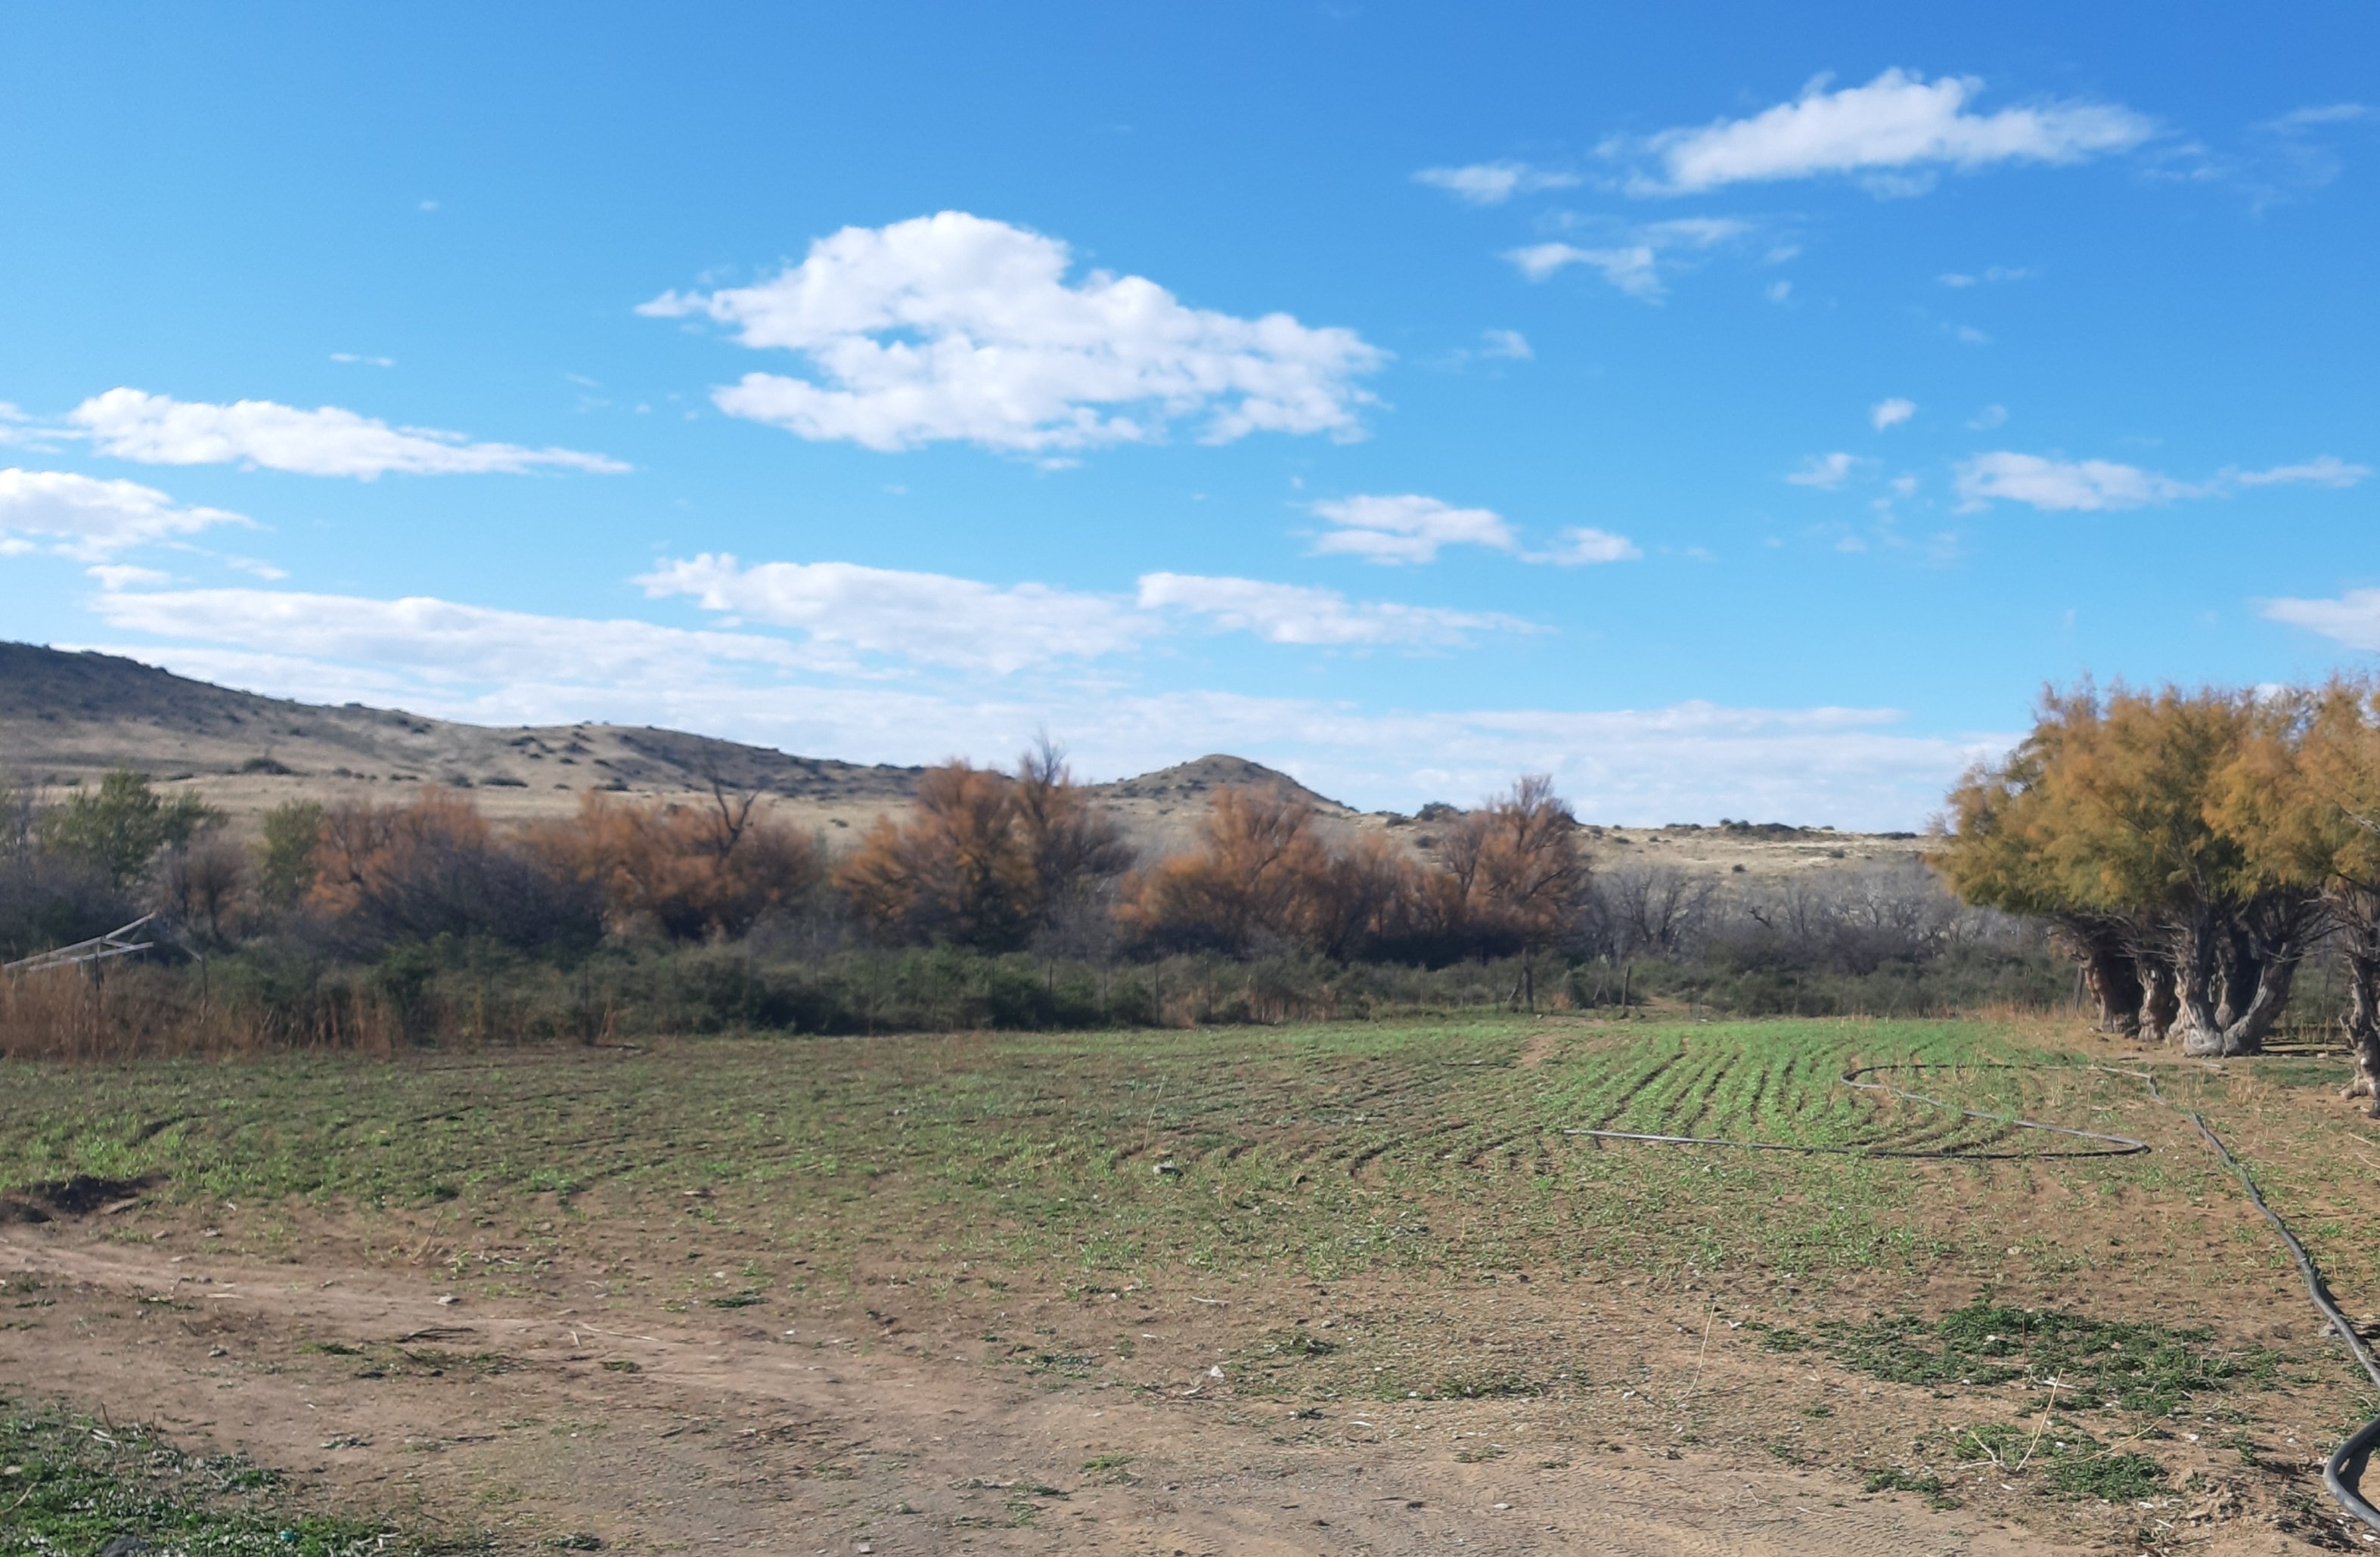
(985,858)
(688,871)
(2138,808)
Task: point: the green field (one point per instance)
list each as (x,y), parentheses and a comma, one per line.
(1222,1151)
(1420,1180)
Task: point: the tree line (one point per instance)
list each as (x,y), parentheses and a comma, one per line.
(988,859)
(2194,849)
(1001,896)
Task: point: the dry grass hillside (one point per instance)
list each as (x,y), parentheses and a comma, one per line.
(67,718)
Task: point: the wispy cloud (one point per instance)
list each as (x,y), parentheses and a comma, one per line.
(955,328)
(1890,413)
(1299,615)
(1893,132)
(1494,183)
(932,618)
(1407,528)
(1634,260)
(1825,471)
(158,430)
(2352,618)
(1990,275)
(1584,546)
(2099,485)
(92,519)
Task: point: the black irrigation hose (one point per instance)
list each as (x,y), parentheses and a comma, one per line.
(2345,1468)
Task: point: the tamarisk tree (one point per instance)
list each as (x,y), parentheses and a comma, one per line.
(2143,821)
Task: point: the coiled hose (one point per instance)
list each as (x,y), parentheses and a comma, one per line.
(2344,1469)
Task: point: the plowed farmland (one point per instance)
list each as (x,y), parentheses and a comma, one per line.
(1353,1288)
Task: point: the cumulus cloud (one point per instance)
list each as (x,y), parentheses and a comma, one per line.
(159,429)
(1407,529)
(86,517)
(929,617)
(1581,546)
(1295,613)
(1634,261)
(1493,183)
(957,328)
(1894,132)
(2099,485)
(2353,619)
(1825,471)
(1891,413)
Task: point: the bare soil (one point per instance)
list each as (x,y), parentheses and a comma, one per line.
(543,1419)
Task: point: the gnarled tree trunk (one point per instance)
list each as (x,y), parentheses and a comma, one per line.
(2356,910)
(2102,949)
(2234,968)
(2159,1004)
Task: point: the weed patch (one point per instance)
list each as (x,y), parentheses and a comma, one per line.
(2095,1363)
(76,1485)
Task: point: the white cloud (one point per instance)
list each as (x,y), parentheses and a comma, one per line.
(1825,471)
(2082,485)
(953,327)
(2099,485)
(439,641)
(1493,183)
(1506,343)
(83,517)
(1781,291)
(1293,614)
(124,576)
(1406,528)
(257,569)
(1891,413)
(159,429)
(2328,470)
(2353,619)
(1849,766)
(1993,274)
(1893,129)
(367,361)
(1581,546)
(1989,418)
(1633,262)
(931,618)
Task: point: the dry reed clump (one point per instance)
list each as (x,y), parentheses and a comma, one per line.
(151,1013)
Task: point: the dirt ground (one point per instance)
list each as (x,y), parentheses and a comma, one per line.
(908,1354)
(655,1432)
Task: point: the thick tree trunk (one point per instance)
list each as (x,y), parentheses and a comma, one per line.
(2159,1005)
(2234,969)
(2356,910)
(2362,1024)
(2102,954)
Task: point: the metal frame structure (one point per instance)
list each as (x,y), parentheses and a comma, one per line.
(112,944)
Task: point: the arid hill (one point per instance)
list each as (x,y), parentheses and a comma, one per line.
(67,718)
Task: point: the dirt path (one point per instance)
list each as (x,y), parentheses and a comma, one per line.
(660,1432)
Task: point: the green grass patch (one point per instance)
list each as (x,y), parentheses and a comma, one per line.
(69,1484)
(2097,1363)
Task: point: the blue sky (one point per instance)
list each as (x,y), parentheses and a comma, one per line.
(1729,412)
